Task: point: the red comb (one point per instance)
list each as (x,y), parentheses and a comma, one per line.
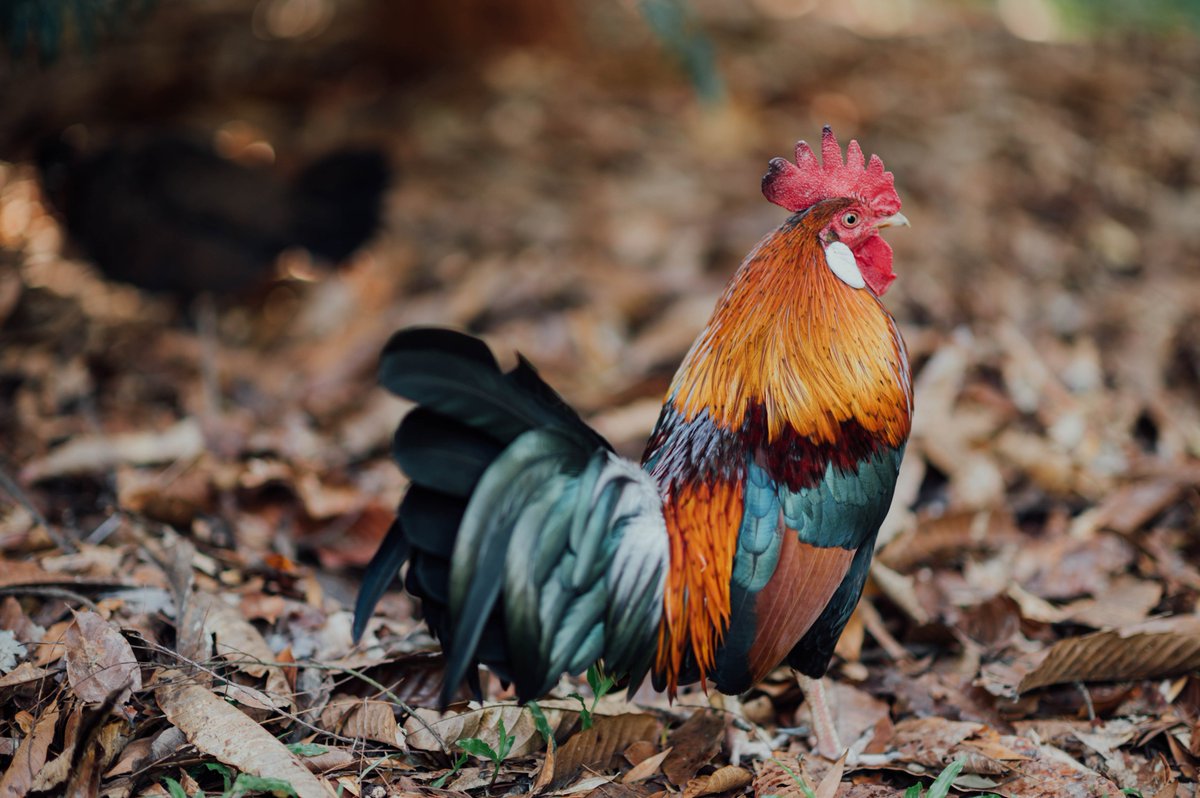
(805,183)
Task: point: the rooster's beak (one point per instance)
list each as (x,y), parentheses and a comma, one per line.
(895,220)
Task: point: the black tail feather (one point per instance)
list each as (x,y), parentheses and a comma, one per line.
(455,375)
(439,452)
(430,518)
(495,456)
(430,578)
(469,411)
(380,572)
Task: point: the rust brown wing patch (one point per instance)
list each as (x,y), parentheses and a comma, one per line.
(803,583)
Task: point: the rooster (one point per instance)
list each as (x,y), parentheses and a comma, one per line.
(744,538)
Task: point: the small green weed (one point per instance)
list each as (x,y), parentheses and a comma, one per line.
(541,724)
(803,785)
(175,789)
(441,780)
(941,785)
(307,749)
(601,685)
(235,784)
(480,749)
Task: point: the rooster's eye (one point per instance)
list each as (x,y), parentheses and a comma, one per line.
(850,219)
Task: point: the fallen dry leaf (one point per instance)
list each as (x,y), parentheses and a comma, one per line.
(595,785)
(647,768)
(1127,601)
(430,729)
(781,776)
(1152,649)
(832,780)
(869,791)
(722,780)
(694,744)
(1133,506)
(370,720)
(30,756)
(23,674)
(79,774)
(225,733)
(331,759)
(1069,567)
(16,572)
(929,742)
(595,748)
(855,711)
(899,588)
(639,751)
(1049,772)
(131,757)
(545,774)
(239,642)
(100,660)
(86,454)
(1170,790)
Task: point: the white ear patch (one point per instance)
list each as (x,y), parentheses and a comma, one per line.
(842,263)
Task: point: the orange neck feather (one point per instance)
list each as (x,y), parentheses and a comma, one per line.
(791,336)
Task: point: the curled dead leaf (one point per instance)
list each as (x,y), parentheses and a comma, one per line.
(370,720)
(100,660)
(720,781)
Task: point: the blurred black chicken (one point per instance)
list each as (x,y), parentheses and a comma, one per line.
(167,214)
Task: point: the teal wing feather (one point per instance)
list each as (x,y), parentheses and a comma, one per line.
(555,536)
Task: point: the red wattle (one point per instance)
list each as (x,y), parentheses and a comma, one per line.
(875,262)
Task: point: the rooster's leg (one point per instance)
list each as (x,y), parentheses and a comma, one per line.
(829,745)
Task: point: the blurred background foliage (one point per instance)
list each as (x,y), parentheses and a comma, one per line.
(42,28)
(1098,15)
(617,137)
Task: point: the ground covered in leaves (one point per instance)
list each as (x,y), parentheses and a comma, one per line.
(180,544)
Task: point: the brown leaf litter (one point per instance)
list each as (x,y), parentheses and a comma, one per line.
(181,536)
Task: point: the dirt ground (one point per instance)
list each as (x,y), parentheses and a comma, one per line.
(564,188)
